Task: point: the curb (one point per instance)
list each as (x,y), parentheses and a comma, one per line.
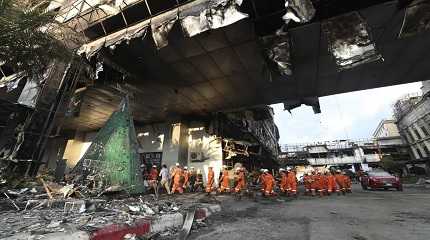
(151,226)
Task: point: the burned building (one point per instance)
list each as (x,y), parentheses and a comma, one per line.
(205,61)
(412,114)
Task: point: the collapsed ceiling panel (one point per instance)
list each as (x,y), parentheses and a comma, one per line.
(417,18)
(12,81)
(349,41)
(277,49)
(300,11)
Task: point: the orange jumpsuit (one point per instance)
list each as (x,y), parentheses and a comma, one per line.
(225,181)
(262,181)
(291,182)
(153,174)
(314,182)
(324,183)
(332,184)
(307,182)
(348,183)
(186,178)
(340,180)
(177,186)
(284,181)
(240,182)
(270,184)
(210,181)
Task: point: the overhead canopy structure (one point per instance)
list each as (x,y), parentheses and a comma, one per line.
(190,58)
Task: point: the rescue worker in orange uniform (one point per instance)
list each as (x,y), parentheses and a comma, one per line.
(307,181)
(324,182)
(340,180)
(177,176)
(291,182)
(331,184)
(240,180)
(319,183)
(269,183)
(186,175)
(152,177)
(314,183)
(348,183)
(211,180)
(283,186)
(262,180)
(224,180)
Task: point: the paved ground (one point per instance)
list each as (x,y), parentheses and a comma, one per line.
(362,215)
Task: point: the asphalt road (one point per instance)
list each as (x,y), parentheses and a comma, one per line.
(361,215)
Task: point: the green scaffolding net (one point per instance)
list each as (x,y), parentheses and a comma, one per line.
(112,158)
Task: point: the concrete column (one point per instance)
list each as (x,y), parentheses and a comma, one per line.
(175,146)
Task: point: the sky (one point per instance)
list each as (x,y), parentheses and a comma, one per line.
(353,115)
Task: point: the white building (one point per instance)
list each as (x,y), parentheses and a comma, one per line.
(412,115)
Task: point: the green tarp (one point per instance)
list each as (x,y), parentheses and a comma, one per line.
(112,158)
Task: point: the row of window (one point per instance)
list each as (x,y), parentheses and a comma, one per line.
(421,154)
(417,132)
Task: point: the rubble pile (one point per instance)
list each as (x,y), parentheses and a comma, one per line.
(46,207)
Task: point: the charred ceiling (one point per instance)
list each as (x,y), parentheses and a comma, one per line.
(192,58)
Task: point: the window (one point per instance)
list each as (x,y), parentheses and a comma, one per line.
(426,133)
(411,136)
(426,150)
(419,153)
(417,134)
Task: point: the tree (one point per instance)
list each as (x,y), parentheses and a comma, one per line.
(388,164)
(25,40)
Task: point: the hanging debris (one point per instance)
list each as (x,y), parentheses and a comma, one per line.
(136,31)
(74,106)
(12,81)
(349,41)
(416,19)
(161,26)
(195,17)
(309,101)
(210,15)
(300,11)
(30,93)
(277,50)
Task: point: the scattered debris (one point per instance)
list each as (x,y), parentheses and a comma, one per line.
(422,181)
(188,223)
(31,211)
(17,208)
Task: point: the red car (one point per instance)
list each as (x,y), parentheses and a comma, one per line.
(381,180)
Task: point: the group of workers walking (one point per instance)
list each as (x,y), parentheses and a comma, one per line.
(180,179)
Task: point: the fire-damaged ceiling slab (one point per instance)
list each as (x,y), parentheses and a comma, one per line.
(230,68)
(417,18)
(349,40)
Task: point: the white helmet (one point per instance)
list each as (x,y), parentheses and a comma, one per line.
(177,164)
(154,166)
(266,170)
(185,167)
(281,169)
(288,169)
